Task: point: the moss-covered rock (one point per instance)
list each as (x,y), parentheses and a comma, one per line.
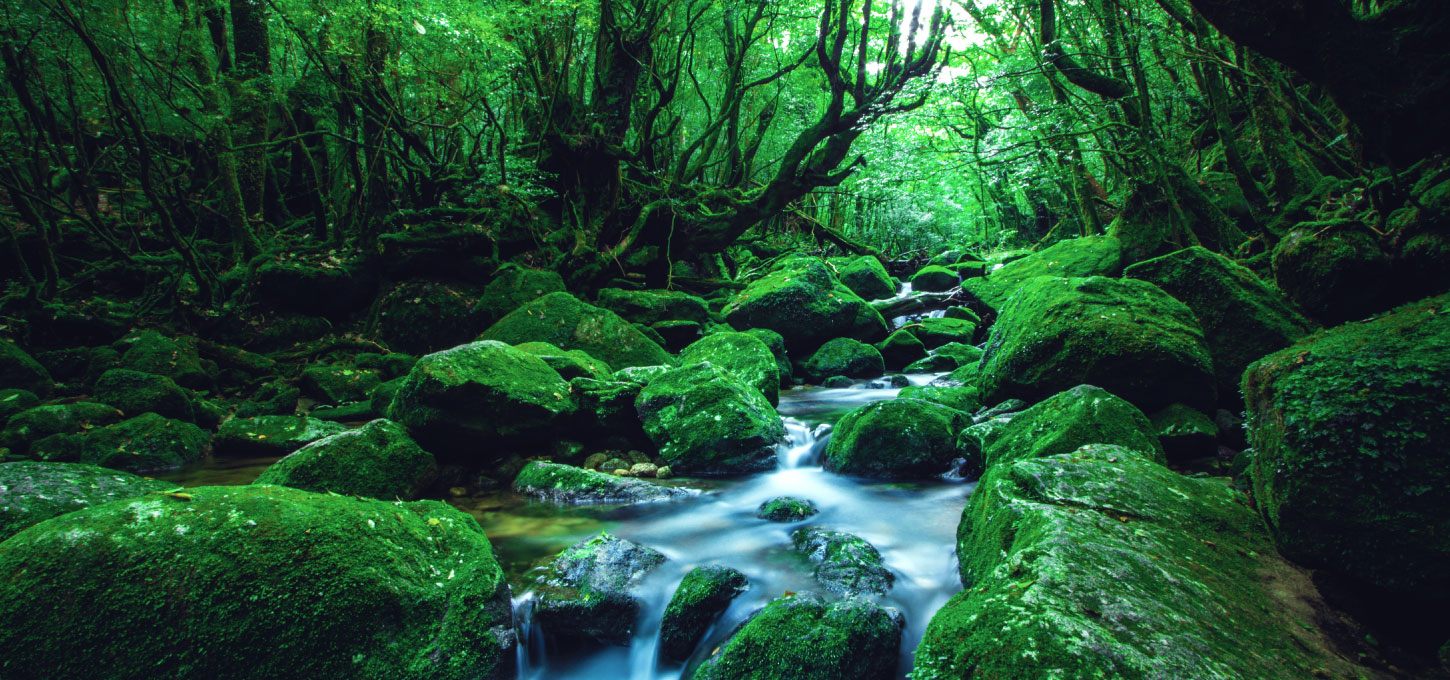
(419,316)
(1335,270)
(569,364)
(1066,421)
(934,278)
(19,370)
(458,402)
(590,591)
(561,319)
(899,438)
(512,287)
(1102,564)
(378,460)
(1124,335)
(1351,471)
(274,398)
(641,375)
(932,363)
(846,357)
(675,335)
(606,409)
(270,436)
(569,484)
(31,426)
(175,358)
(776,344)
(209,582)
(900,349)
(707,422)
(866,277)
(743,355)
(330,287)
(13,401)
(146,443)
(786,509)
(390,366)
(804,637)
(936,332)
(963,353)
(963,398)
(845,563)
(652,306)
(800,300)
(31,493)
(135,393)
(1242,318)
(703,595)
(1078,257)
(1185,432)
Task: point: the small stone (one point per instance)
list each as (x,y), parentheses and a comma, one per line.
(786,509)
(837,382)
(457,491)
(643,470)
(615,463)
(594,460)
(621,472)
(664,472)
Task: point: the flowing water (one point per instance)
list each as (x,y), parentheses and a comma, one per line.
(913,525)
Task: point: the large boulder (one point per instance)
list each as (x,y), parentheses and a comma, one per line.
(776,344)
(512,287)
(31,493)
(800,300)
(961,397)
(653,306)
(900,349)
(135,393)
(1077,257)
(378,460)
(563,320)
(146,443)
(1335,270)
(845,563)
(1103,564)
(847,357)
(897,438)
(568,363)
(705,421)
(339,383)
(459,402)
(19,370)
(1351,470)
(591,590)
(420,316)
(934,278)
(865,276)
(208,582)
(1242,318)
(803,637)
(935,332)
(743,355)
(704,594)
(1063,422)
(270,436)
(1123,335)
(569,484)
(175,358)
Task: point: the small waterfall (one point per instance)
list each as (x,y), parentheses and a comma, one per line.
(530,649)
(803,444)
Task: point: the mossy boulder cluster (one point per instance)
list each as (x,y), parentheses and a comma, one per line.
(706,421)
(744,355)
(1078,257)
(806,305)
(568,323)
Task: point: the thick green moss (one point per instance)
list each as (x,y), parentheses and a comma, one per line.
(899,438)
(706,422)
(803,637)
(31,426)
(13,401)
(800,300)
(561,319)
(339,384)
(743,355)
(1186,433)
(378,460)
(271,435)
(703,595)
(456,401)
(135,393)
(900,349)
(1242,317)
(1335,270)
(933,278)
(19,370)
(641,375)
(1063,422)
(653,306)
(512,287)
(1123,335)
(31,493)
(254,582)
(931,364)
(425,316)
(1102,564)
(569,364)
(776,343)
(146,443)
(589,592)
(845,357)
(845,563)
(786,509)
(1088,256)
(865,276)
(963,398)
(1351,471)
(937,332)
(569,484)
(152,352)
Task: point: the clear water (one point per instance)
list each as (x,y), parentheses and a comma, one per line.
(913,525)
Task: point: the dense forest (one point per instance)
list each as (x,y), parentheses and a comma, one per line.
(725,339)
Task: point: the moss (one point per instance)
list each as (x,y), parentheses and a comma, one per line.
(641,375)
(271,436)
(590,590)
(743,355)
(963,353)
(1242,317)
(1066,421)
(931,364)
(845,563)
(800,300)
(339,384)
(562,320)
(425,316)
(937,332)
(13,401)
(1186,433)
(803,637)
(569,364)
(1123,335)
(19,370)
(1335,270)
(135,393)
(390,366)
(653,306)
(703,595)
(1078,257)
(962,398)
(146,443)
(1102,564)
(151,352)
(569,484)
(211,579)
(28,427)
(606,407)
(900,438)
(932,278)
(1351,472)
(378,460)
(837,382)
(79,365)
(786,509)
(329,288)
(776,343)
(964,313)
(706,422)
(31,493)
(455,399)
(962,376)
(865,276)
(900,349)
(847,357)
(275,398)
(512,287)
